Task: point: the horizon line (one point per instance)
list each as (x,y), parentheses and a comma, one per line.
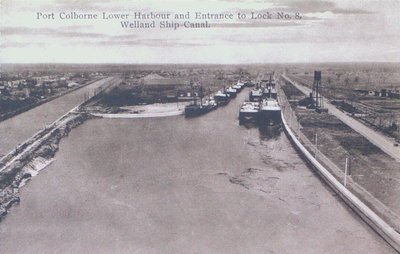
(194,63)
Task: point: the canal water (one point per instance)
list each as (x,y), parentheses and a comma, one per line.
(16,130)
(176,185)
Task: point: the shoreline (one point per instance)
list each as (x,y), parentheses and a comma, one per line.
(380,226)
(37,153)
(372,210)
(340,141)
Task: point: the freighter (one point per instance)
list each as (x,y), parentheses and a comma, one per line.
(238,87)
(274,94)
(210,104)
(231,92)
(249,111)
(268,86)
(241,83)
(270,112)
(221,98)
(249,83)
(193,110)
(197,109)
(270,92)
(256,94)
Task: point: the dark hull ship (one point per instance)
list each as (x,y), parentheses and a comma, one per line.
(249,112)
(270,112)
(221,98)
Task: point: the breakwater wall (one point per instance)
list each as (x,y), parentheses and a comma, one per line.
(29,158)
(140,115)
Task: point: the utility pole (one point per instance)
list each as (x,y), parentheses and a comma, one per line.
(316,145)
(346,168)
(338,75)
(298,128)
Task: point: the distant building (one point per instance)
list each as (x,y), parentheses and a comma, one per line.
(17,83)
(27,92)
(72,84)
(361,91)
(394,94)
(2,88)
(154,85)
(385,93)
(18,94)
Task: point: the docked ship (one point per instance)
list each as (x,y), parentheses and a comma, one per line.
(193,110)
(197,109)
(249,83)
(270,112)
(221,98)
(268,87)
(231,92)
(210,104)
(237,87)
(249,112)
(274,93)
(241,83)
(256,94)
(270,92)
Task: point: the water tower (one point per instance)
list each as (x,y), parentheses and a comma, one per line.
(317,88)
(317,93)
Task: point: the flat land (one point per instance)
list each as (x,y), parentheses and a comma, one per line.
(371,168)
(341,82)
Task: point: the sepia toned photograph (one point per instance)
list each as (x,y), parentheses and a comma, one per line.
(200,126)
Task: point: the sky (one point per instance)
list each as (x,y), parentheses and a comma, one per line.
(329,31)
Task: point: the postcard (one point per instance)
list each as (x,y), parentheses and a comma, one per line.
(199,126)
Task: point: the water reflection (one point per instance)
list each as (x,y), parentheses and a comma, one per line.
(270,132)
(248,124)
(266,132)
